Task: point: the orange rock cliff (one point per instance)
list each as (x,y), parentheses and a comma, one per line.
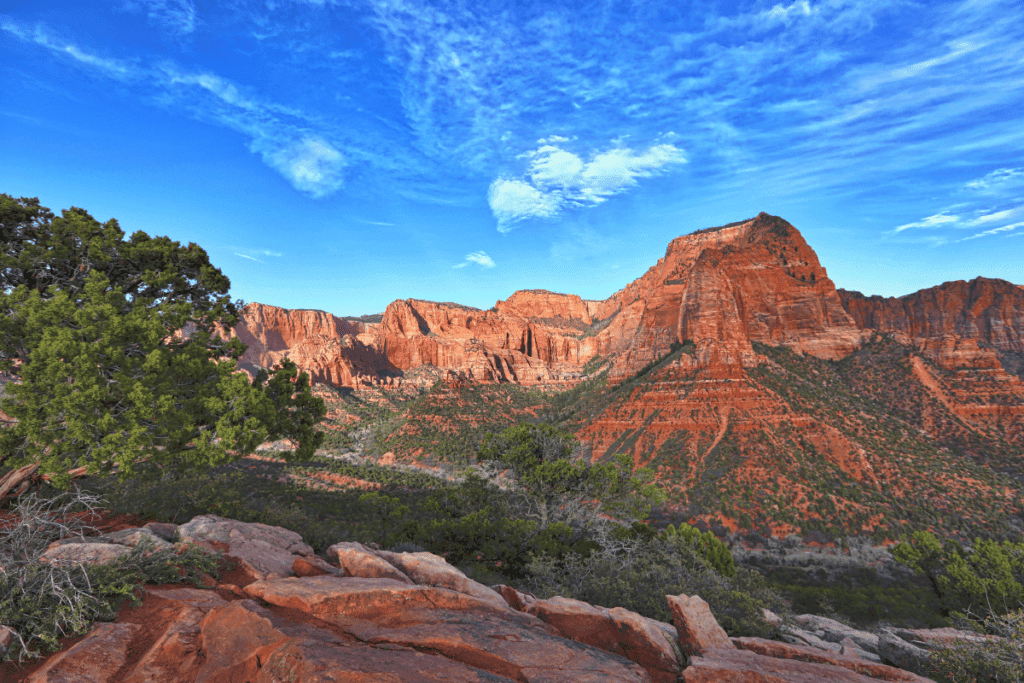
(722,288)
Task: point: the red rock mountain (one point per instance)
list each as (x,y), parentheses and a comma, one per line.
(724,288)
(958,324)
(759,393)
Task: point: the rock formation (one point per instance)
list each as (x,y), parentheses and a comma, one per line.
(754,281)
(696,350)
(959,324)
(423,622)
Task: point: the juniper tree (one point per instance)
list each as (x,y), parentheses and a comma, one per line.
(556,482)
(115,348)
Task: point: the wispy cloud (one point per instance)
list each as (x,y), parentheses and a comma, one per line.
(178,16)
(999,179)
(366,222)
(478,257)
(557,179)
(40,36)
(935,221)
(257,255)
(993,231)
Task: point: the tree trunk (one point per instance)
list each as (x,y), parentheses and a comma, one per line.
(18,481)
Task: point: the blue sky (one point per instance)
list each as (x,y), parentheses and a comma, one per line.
(340,155)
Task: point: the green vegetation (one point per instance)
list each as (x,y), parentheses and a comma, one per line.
(548,468)
(996,661)
(637,572)
(43,603)
(980,581)
(119,357)
(858,596)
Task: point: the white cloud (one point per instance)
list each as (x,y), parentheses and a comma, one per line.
(256,254)
(994,231)
(307,160)
(219,87)
(996,216)
(554,166)
(935,221)
(915,69)
(479,257)
(515,200)
(615,170)
(39,36)
(311,164)
(998,179)
(785,14)
(557,179)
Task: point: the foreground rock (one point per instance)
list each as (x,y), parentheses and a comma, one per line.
(649,643)
(259,548)
(412,617)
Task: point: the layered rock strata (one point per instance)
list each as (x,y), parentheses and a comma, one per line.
(754,281)
(425,623)
(977,324)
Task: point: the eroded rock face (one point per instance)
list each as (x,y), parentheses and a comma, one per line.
(698,629)
(97,658)
(336,628)
(987,311)
(753,281)
(645,641)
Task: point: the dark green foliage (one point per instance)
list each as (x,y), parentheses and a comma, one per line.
(999,661)
(983,580)
(637,574)
(44,603)
(548,467)
(859,596)
(120,360)
(715,553)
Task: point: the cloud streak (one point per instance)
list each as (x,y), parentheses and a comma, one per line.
(478,257)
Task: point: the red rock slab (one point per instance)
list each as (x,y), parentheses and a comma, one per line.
(236,641)
(386,602)
(355,559)
(313,566)
(771,648)
(175,654)
(742,666)
(245,642)
(697,628)
(617,630)
(267,549)
(429,569)
(515,599)
(505,646)
(460,627)
(96,659)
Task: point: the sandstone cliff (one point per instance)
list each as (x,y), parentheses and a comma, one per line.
(754,281)
(958,324)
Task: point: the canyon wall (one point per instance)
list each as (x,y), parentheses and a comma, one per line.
(977,324)
(753,281)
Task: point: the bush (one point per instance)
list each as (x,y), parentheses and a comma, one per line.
(1001,661)
(984,580)
(44,603)
(637,574)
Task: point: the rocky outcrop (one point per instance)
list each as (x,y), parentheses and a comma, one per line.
(976,324)
(436,625)
(258,548)
(757,280)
